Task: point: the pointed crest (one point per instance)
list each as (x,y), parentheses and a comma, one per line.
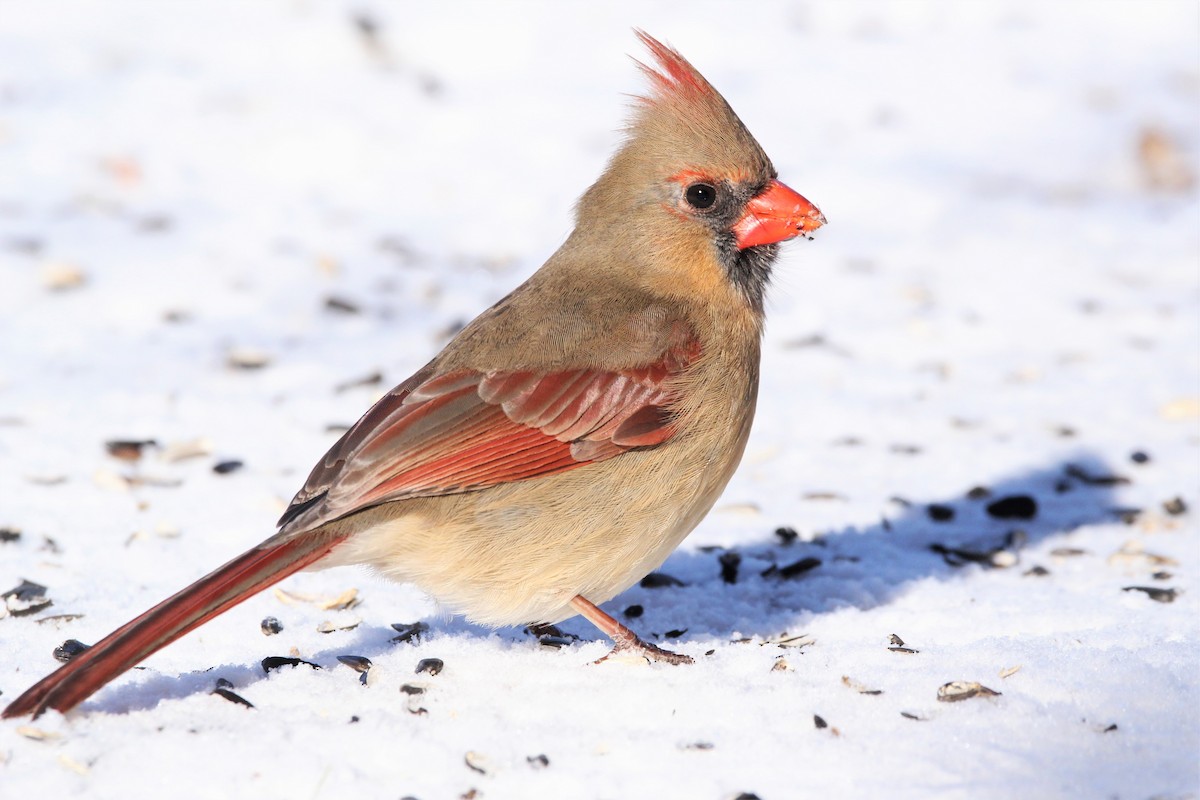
(677,80)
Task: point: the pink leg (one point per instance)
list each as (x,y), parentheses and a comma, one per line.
(624,640)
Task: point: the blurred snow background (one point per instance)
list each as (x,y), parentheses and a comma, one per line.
(228,227)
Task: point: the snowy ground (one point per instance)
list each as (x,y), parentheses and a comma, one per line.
(1007,296)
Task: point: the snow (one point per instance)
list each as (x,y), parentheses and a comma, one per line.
(1009,285)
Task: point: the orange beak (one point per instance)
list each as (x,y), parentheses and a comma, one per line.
(776,214)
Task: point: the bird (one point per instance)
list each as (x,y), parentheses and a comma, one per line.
(565,441)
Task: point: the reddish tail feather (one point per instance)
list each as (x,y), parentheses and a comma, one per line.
(213,594)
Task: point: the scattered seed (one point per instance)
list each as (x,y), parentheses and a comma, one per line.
(69,649)
(793,570)
(345,600)
(912,716)
(819,722)
(412,689)
(895,640)
(433,666)
(907,650)
(783,640)
(37,734)
(275,662)
(697,746)
(340,305)
(1139,457)
(1161,575)
(1007,671)
(940,513)
(128,449)
(1002,559)
(58,619)
(781,665)
(660,580)
(1093,479)
(786,535)
(1013,506)
(747,796)
(247,358)
(1154,593)
(225,689)
(271,626)
(956,691)
(634,611)
(1126,514)
(905,449)
(1110,728)
(330,627)
(59,277)
(1036,571)
(226,467)
(979,493)
(1068,552)
(356,663)
(675,633)
(409,631)
(540,761)
(730,562)
(9,535)
(26,598)
(850,683)
(1175,506)
(822,496)
(186,448)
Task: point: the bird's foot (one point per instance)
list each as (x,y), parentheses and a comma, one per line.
(624,640)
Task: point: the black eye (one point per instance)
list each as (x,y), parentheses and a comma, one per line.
(701,195)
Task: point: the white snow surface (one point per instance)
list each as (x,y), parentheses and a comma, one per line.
(1007,293)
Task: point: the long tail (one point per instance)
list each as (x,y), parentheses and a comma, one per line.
(219,591)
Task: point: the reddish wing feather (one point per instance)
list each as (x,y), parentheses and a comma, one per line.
(465,430)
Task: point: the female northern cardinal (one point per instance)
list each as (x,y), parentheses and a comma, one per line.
(574,433)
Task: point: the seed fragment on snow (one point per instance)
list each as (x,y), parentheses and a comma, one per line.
(1154,593)
(540,761)
(275,662)
(634,611)
(786,535)
(327,626)
(183,449)
(895,640)
(409,631)
(224,689)
(128,449)
(939,512)
(785,640)
(270,626)
(1013,506)
(912,716)
(730,561)
(60,277)
(660,580)
(1007,671)
(905,650)
(861,688)
(37,734)
(226,467)
(1036,571)
(819,722)
(58,619)
(9,535)
(26,598)
(247,358)
(1175,506)
(69,649)
(1082,475)
(360,664)
(956,691)
(477,762)
(433,666)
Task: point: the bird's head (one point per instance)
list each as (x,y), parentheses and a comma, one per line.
(690,194)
